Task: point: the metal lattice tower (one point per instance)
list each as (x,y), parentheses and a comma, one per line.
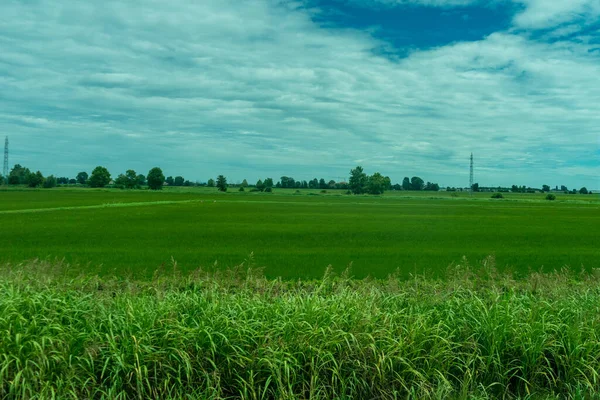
(471,177)
(5,169)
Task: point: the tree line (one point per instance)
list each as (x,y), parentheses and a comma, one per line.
(358,183)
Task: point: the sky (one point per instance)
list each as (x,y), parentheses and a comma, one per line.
(305,88)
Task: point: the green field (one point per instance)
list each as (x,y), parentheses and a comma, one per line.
(297,235)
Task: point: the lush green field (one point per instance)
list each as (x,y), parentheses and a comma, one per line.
(297,234)
(235,335)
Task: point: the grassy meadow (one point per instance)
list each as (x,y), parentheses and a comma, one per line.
(296,235)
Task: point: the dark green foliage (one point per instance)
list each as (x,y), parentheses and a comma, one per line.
(222,183)
(100,177)
(358,180)
(241,189)
(129,180)
(497,196)
(550,197)
(34,179)
(406,183)
(169,181)
(140,180)
(244,183)
(268,189)
(583,190)
(179,181)
(155,178)
(376,184)
(82,178)
(18,175)
(211,183)
(50,182)
(475,187)
(416,183)
(545,188)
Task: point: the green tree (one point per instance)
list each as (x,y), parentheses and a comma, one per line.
(82,177)
(376,184)
(406,183)
(169,181)
(416,183)
(583,190)
(100,177)
(222,183)
(260,185)
(358,180)
(387,183)
(244,183)
(50,182)
(268,183)
(18,175)
(155,178)
(475,187)
(178,181)
(34,179)
(545,188)
(331,184)
(140,180)
(322,184)
(211,183)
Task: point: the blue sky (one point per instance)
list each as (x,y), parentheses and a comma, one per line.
(305,88)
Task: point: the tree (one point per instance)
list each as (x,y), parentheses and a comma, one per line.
(358,180)
(100,177)
(545,188)
(128,180)
(475,187)
(222,183)
(322,184)
(287,182)
(406,183)
(178,181)
(18,175)
(563,188)
(331,184)
(583,190)
(432,187)
(211,183)
(155,178)
(268,183)
(244,183)
(169,181)
(50,182)
(416,183)
(313,184)
(82,177)
(34,179)
(387,183)
(260,185)
(72,181)
(141,180)
(376,184)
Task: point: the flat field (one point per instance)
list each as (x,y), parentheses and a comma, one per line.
(297,235)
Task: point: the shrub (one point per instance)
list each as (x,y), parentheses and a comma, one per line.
(497,196)
(241,189)
(323,191)
(268,189)
(550,196)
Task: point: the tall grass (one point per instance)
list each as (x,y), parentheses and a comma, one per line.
(235,334)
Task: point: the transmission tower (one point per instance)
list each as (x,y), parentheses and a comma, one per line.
(471,177)
(5,169)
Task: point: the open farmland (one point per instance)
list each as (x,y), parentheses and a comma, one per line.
(296,235)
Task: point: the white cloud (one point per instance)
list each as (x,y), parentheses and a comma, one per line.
(250,88)
(539,14)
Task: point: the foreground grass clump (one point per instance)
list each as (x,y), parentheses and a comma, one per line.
(235,334)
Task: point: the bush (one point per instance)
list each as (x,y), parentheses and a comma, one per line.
(550,197)
(497,196)
(268,189)
(254,190)
(241,189)
(323,191)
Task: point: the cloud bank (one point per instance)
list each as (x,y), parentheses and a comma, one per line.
(255,88)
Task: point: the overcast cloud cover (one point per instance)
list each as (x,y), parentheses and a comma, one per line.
(262,88)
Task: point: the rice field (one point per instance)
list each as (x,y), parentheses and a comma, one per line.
(296,235)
